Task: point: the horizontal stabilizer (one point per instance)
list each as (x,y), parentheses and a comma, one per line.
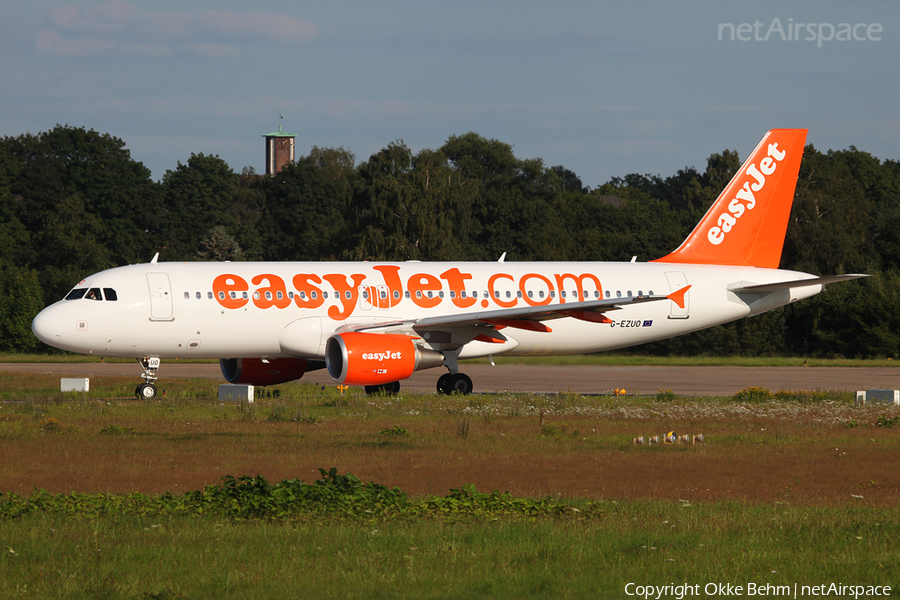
(766,288)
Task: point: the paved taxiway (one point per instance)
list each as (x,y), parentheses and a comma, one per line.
(683,381)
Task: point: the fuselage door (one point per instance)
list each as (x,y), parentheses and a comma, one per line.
(160,297)
(678,281)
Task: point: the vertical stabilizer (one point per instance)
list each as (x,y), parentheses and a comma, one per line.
(747,222)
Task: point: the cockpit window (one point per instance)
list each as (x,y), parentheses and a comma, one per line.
(92,294)
(76,294)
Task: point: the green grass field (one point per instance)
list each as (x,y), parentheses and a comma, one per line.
(787,489)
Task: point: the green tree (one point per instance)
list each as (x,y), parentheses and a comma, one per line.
(197,197)
(305,208)
(219,246)
(382,207)
(21,299)
(68,162)
(15,240)
(831,221)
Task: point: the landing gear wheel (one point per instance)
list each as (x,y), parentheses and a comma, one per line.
(146,391)
(443,384)
(388,389)
(450,383)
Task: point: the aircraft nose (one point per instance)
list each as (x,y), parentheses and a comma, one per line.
(47,326)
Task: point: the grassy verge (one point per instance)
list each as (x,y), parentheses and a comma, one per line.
(567,556)
(786,488)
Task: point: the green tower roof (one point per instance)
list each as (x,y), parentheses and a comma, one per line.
(279,133)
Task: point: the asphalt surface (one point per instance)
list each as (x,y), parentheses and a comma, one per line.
(683,381)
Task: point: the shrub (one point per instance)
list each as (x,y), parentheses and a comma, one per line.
(753,394)
(665,396)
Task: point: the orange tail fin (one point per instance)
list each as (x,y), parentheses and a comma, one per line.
(747,222)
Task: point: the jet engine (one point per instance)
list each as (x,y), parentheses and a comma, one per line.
(358,358)
(256,371)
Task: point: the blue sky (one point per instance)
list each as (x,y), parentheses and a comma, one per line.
(602,89)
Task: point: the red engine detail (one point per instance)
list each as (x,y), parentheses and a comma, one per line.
(375,358)
(255,371)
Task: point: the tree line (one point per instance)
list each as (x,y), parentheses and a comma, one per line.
(74,202)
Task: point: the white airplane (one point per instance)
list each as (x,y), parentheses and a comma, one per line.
(374,324)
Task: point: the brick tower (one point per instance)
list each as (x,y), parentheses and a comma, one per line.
(279,150)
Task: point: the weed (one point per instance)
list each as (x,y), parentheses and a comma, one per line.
(51,425)
(557,430)
(246,411)
(395,431)
(887,422)
(462,427)
(117,429)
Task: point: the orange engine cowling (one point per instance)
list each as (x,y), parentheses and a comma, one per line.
(255,371)
(358,358)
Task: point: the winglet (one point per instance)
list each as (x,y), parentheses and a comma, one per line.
(745,226)
(678,296)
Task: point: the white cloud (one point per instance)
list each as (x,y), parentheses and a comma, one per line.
(50,42)
(118,27)
(212,50)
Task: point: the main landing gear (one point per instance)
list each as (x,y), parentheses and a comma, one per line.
(454,381)
(459,383)
(146,390)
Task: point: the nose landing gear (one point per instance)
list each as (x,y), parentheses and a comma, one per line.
(146,390)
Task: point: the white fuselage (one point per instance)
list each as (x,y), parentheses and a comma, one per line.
(252,310)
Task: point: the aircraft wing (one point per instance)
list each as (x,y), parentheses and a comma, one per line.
(468,326)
